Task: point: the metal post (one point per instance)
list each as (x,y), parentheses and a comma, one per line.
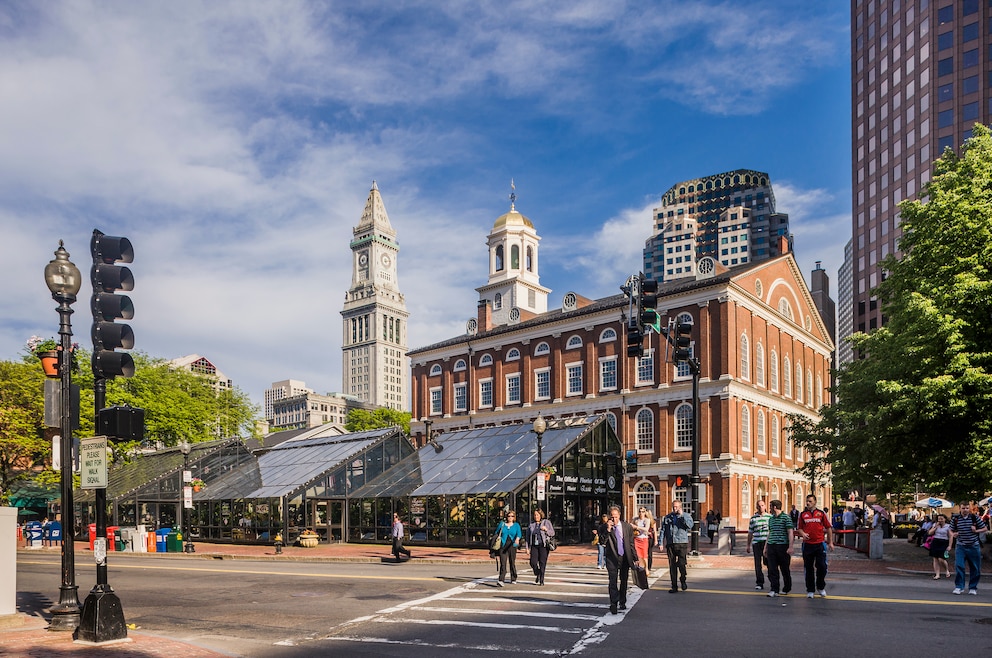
(694,477)
(65,614)
(188,547)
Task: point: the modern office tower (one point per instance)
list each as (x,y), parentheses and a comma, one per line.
(374,363)
(919,82)
(845,300)
(729,217)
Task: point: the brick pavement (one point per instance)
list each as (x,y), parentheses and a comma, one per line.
(24,635)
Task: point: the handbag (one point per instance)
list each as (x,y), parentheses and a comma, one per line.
(927,543)
(640,577)
(711,527)
(552,543)
(496,541)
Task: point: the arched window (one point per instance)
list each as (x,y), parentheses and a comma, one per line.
(611,418)
(515,257)
(646,496)
(486,360)
(785,308)
(681,494)
(786,376)
(645,430)
(809,387)
(683,427)
(512,355)
(542,348)
(745,500)
(773,370)
(497,302)
(573,342)
(759,364)
(799,492)
(775,495)
(435,370)
(819,391)
(762,438)
(799,382)
(607,335)
(530,259)
(745,428)
(499,258)
(776,435)
(459,365)
(788,440)
(745,357)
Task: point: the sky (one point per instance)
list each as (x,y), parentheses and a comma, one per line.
(235,143)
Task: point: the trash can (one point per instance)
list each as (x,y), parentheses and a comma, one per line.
(174,541)
(92,534)
(113,537)
(161,538)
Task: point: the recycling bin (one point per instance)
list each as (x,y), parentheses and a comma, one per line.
(174,541)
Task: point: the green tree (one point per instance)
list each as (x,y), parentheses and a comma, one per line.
(22,410)
(918,405)
(360,420)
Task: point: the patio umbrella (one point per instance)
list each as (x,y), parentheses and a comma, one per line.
(933,501)
(881,510)
(986,502)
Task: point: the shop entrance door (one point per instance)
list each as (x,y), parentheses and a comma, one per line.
(592,511)
(327,517)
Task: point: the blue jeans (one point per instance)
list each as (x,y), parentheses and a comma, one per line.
(601,557)
(815,565)
(973,556)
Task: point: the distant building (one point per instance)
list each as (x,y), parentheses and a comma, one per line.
(374,362)
(729,218)
(845,300)
(199,365)
(820,292)
(284,389)
(764,352)
(309,409)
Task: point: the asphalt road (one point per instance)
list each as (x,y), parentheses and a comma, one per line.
(251,609)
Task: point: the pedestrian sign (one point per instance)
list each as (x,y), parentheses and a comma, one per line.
(93,460)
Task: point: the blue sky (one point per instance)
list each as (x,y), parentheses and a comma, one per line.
(235,143)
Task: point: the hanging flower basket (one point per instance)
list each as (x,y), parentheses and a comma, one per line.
(548,470)
(49,363)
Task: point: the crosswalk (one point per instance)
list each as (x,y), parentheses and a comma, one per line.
(569,613)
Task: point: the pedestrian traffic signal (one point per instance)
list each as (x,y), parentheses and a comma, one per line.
(648,305)
(108,306)
(683,341)
(634,340)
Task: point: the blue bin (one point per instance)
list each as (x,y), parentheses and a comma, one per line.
(161,539)
(33,533)
(53,533)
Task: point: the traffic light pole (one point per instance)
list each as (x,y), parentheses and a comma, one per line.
(694,477)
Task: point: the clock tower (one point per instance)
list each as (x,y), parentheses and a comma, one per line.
(374,363)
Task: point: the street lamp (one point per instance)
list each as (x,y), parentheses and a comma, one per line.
(185,447)
(540,427)
(63,280)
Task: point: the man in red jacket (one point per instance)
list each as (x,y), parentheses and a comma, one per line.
(815,529)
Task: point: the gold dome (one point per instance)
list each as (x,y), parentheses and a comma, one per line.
(512,218)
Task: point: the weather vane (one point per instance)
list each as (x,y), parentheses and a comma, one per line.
(513,194)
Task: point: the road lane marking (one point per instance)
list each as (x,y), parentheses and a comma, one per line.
(476,624)
(866,599)
(509,613)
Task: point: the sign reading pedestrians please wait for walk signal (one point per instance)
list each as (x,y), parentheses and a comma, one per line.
(93,462)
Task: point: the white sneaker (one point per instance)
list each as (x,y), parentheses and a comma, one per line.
(822,593)
(957,590)
(809,595)
(758,587)
(772,595)
(973,592)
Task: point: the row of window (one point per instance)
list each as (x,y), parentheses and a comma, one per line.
(788,384)
(646,496)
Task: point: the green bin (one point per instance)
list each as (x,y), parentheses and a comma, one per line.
(174,542)
(118,540)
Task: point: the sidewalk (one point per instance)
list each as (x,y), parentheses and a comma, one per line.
(25,635)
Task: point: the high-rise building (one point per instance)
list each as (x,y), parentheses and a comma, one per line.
(845,297)
(374,362)
(285,389)
(728,217)
(919,82)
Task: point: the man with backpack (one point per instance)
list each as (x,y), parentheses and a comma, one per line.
(966,528)
(814,528)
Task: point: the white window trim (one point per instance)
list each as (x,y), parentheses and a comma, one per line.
(492,390)
(430,398)
(574,342)
(456,387)
(460,365)
(512,355)
(637,437)
(604,336)
(486,360)
(616,372)
(541,349)
(675,434)
(537,395)
(435,370)
(520,389)
(568,366)
(648,353)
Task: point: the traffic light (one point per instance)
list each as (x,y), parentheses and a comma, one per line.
(682,341)
(648,304)
(634,339)
(107,306)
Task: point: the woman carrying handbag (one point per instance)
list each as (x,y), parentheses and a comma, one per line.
(540,534)
(509,540)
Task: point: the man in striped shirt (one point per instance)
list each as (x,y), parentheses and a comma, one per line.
(965,530)
(757,533)
(778,550)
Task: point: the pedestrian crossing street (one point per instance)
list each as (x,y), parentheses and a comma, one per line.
(570,612)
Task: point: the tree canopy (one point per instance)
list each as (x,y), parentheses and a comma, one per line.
(361,419)
(916,407)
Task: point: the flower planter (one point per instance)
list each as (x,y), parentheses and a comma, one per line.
(309,541)
(50,363)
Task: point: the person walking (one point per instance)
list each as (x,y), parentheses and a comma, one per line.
(398,539)
(757,534)
(538,534)
(966,528)
(618,537)
(849,519)
(675,528)
(814,526)
(510,537)
(778,550)
(711,524)
(600,547)
(940,539)
(652,541)
(642,531)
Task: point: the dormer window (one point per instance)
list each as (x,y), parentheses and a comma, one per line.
(435,370)
(513,355)
(486,360)
(573,343)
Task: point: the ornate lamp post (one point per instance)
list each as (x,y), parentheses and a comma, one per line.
(185,447)
(63,280)
(540,427)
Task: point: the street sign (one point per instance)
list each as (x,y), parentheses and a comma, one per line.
(188,497)
(541,477)
(93,451)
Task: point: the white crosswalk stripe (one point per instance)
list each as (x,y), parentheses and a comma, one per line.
(573,606)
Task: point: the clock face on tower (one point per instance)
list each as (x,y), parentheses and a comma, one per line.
(386,260)
(363,259)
